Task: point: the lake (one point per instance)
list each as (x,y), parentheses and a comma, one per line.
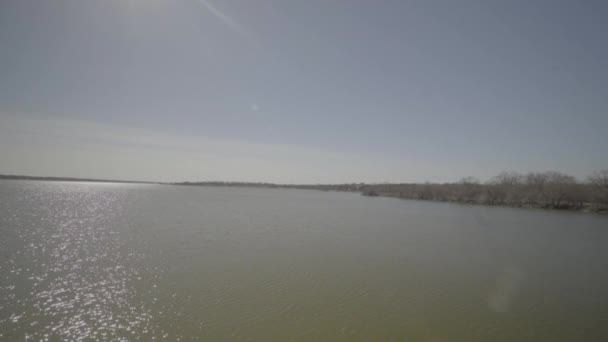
(131,261)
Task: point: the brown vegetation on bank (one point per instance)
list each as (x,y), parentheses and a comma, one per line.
(549,189)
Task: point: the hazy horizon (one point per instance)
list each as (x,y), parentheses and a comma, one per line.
(302,92)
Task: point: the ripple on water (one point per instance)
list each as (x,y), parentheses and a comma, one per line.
(67,277)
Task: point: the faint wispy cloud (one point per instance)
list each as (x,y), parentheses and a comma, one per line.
(60,146)
(227,20)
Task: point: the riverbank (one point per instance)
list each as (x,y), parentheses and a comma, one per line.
(547,190)
(556,196)
(583,197)
(585,207)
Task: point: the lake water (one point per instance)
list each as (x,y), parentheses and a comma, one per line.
(126,262)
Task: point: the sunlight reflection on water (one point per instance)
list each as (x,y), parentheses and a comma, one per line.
(74,281)
(89,261)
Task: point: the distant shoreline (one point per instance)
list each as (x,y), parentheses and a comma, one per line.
(72,179)
(555,196)
(459,193)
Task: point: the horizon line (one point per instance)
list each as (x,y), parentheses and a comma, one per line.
(210,182)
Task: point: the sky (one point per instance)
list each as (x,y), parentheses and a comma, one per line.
(309,91)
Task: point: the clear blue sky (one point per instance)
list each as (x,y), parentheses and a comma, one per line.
(302,91)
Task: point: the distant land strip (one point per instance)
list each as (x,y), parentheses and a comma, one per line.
(547,190)
(72,179)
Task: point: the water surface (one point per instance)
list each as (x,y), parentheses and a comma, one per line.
(127,262)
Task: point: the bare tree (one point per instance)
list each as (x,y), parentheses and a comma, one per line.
(537,189)
(536,183)
(468,189)
(506,188)
(508,178)
(599,181)
(557,188)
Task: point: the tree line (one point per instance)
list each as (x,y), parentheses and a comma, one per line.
(549,189)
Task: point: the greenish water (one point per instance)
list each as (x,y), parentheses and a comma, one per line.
(85,261)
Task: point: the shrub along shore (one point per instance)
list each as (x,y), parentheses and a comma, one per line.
(550,190)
